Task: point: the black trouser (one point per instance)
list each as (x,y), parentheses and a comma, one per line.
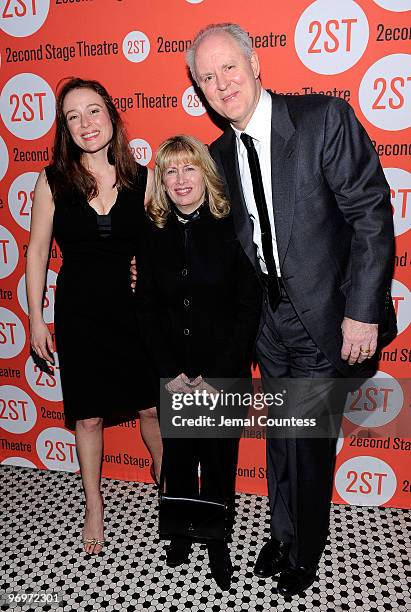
(217,458)
(299,469)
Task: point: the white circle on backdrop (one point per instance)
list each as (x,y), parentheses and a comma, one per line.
(385,92)
(19,462)
(340,441)
(24,17)
(4,158)
(12,334)
(18,414)
(136,46)
(27,106)
(401,296)
(9,252)
(56,448)
(377,402)
(191,102)
(141,151)
(21,197)
(49,296)
(365,481)
(331,36)
(47,386)
(398,6)
(400,183)
(194,1)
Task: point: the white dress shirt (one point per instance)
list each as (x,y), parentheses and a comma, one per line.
(259,128)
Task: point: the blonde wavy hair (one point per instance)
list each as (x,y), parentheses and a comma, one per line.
(191,151)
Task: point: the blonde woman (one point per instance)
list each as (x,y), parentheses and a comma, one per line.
(199,306)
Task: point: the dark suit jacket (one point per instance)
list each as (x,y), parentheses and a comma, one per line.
(332,213)
(198,298)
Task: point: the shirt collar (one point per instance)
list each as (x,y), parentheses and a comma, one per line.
(257,126)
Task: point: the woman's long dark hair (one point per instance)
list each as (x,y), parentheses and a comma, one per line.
(68,170)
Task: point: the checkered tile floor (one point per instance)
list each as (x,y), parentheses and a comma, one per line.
(41,518)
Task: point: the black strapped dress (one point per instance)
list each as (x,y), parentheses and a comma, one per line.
(102,361)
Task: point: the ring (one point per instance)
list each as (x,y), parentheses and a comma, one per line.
(364,351)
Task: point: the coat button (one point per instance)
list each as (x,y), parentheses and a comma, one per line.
(186,332)
(184,271)
(186,302)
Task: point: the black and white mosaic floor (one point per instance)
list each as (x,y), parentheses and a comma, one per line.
(41,517)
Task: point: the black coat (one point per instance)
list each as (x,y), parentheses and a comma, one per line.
(198,298)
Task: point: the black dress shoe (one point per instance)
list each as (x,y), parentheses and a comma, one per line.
(272,559)
(178,552)
(220,564)
(294,581)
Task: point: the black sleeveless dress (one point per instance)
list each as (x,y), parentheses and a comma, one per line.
(103,365)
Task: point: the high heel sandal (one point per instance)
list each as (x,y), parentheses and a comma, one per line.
(94,541)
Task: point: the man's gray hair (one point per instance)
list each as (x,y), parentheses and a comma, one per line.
(235,31)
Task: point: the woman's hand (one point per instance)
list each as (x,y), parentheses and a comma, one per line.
(179,384)
(41,340)
(202,385)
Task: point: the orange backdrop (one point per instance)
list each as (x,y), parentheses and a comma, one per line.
(355,50)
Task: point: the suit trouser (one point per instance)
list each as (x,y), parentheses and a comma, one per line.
(299,469)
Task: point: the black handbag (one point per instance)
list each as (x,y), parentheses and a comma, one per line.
(197,519)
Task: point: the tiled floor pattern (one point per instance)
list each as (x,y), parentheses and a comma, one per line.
(364,570)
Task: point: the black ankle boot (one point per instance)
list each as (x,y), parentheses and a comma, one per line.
(178,552)
(220,564)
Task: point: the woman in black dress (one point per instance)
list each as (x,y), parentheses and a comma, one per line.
(199,303)
(92,200)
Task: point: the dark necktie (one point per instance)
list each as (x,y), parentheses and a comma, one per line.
(273,286)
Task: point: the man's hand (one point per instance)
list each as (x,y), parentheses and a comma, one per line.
(359,340)
(133,274)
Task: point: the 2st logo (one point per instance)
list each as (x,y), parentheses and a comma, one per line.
(385,92)
(23,17)
(27,106)
(377,402)
(331,36)
(365,481)
(390,92)
(21,198)
(12,334)
(19,8)
(335,34)
(141,151)
(192,103)
(45,384)
(18,413)
(136,46)
(56,448)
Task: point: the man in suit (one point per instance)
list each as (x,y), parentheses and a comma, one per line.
(312,211)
